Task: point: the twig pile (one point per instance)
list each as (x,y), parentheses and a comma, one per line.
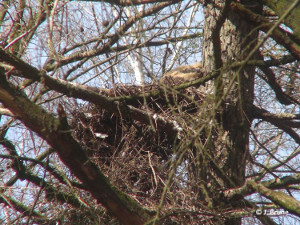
(138,158)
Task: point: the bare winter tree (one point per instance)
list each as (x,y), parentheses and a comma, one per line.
(149,112)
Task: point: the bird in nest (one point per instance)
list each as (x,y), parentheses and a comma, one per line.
(182,74)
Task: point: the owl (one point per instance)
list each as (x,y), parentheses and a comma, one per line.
(182,74)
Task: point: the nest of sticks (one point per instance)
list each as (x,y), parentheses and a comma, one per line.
(136,157)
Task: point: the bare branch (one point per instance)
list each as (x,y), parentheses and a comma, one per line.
(129,2)
(278,197)
(283,121)
(58,135)
(279,35)
(118,34)
(282,97)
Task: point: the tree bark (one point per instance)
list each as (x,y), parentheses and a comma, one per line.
(227,39)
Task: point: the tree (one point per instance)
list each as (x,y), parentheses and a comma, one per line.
(89,135)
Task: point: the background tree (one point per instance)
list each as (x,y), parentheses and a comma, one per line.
(89,135)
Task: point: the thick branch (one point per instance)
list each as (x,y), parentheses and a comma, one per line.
(24,173)
(282,182)
(278,183)
(286,118)
(292,20)
(278,197)
(266,189)
(41,157)
(58,135)
(216,34)
(282,121)
(81,92)
(4,111)
(53,193)
(279,35)
(282,97)
(50,169)
(10,202)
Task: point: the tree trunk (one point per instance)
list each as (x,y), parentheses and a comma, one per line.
(227,39)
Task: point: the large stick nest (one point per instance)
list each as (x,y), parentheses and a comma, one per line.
(137,157)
